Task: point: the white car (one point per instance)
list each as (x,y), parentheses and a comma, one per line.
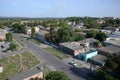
(73,63)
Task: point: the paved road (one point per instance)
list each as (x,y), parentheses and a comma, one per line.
(48,59)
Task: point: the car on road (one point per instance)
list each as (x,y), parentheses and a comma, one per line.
(73,63)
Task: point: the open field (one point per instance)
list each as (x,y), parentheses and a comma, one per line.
(17,63)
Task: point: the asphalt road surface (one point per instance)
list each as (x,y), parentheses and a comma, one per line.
(48,59)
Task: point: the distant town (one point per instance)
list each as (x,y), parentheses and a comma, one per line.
(71,48)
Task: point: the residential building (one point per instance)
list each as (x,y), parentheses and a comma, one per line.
(99,60)
(112,49)
(74,48)
(88,54)
(88,42)
(100,21)
(3,34)
(112,41)
(41,35)
(113,29)
(38,75)
(28,30)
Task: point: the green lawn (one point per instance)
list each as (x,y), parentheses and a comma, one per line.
(12,64)
(57,53)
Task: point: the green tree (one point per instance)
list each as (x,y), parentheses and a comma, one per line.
(33,32)
(9,37)
(22,29)
(12,47)
(18,28)
(101,75)
(79,37)
(55,75)
(52,36)
(101,36)
(65,34)
(97,35)
(111,65)
(91,34)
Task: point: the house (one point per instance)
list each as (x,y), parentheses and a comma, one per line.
(113,29)
(38,75)
(112,49)
(3,34)
(114,35)
(41,35)
(112,41)
(100,21)
(88,54)
(28,30)
(72,48)
(89,42)
(99,60)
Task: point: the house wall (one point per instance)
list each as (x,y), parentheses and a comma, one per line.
(85,57)
(39,75)
(90,55)
(67,50)
(2,37)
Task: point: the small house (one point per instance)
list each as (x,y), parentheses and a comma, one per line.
(87,55)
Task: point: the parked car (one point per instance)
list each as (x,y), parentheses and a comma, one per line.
(73,63)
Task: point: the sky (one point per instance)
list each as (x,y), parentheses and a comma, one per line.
(59,8)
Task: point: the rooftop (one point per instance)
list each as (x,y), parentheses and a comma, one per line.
(88,40)
(72,45)
(100,58)
(110,49)
(3,32)
(42,32)
(114,41)
(88,51)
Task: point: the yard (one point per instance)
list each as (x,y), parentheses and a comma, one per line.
(17,63)
(56,53)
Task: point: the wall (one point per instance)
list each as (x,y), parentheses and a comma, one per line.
(85,57)
(90,55)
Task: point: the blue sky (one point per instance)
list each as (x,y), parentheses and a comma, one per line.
(59,8)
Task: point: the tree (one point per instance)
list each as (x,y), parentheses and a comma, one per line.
(22,29)
(18,28)
(79,37)
(65,34)
(12,47)
(33,32)
(101,36)
(97,35)
(52,36)
(91,34)
(55,75)
(111,65)
(101,75)
(9,37)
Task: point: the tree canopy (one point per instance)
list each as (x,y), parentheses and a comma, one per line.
(9,37)
(55,75)
(33,32)
(18,28)
(65,34)
(97,35)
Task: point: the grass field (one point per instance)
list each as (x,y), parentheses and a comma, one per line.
(13,64)
(57,53)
